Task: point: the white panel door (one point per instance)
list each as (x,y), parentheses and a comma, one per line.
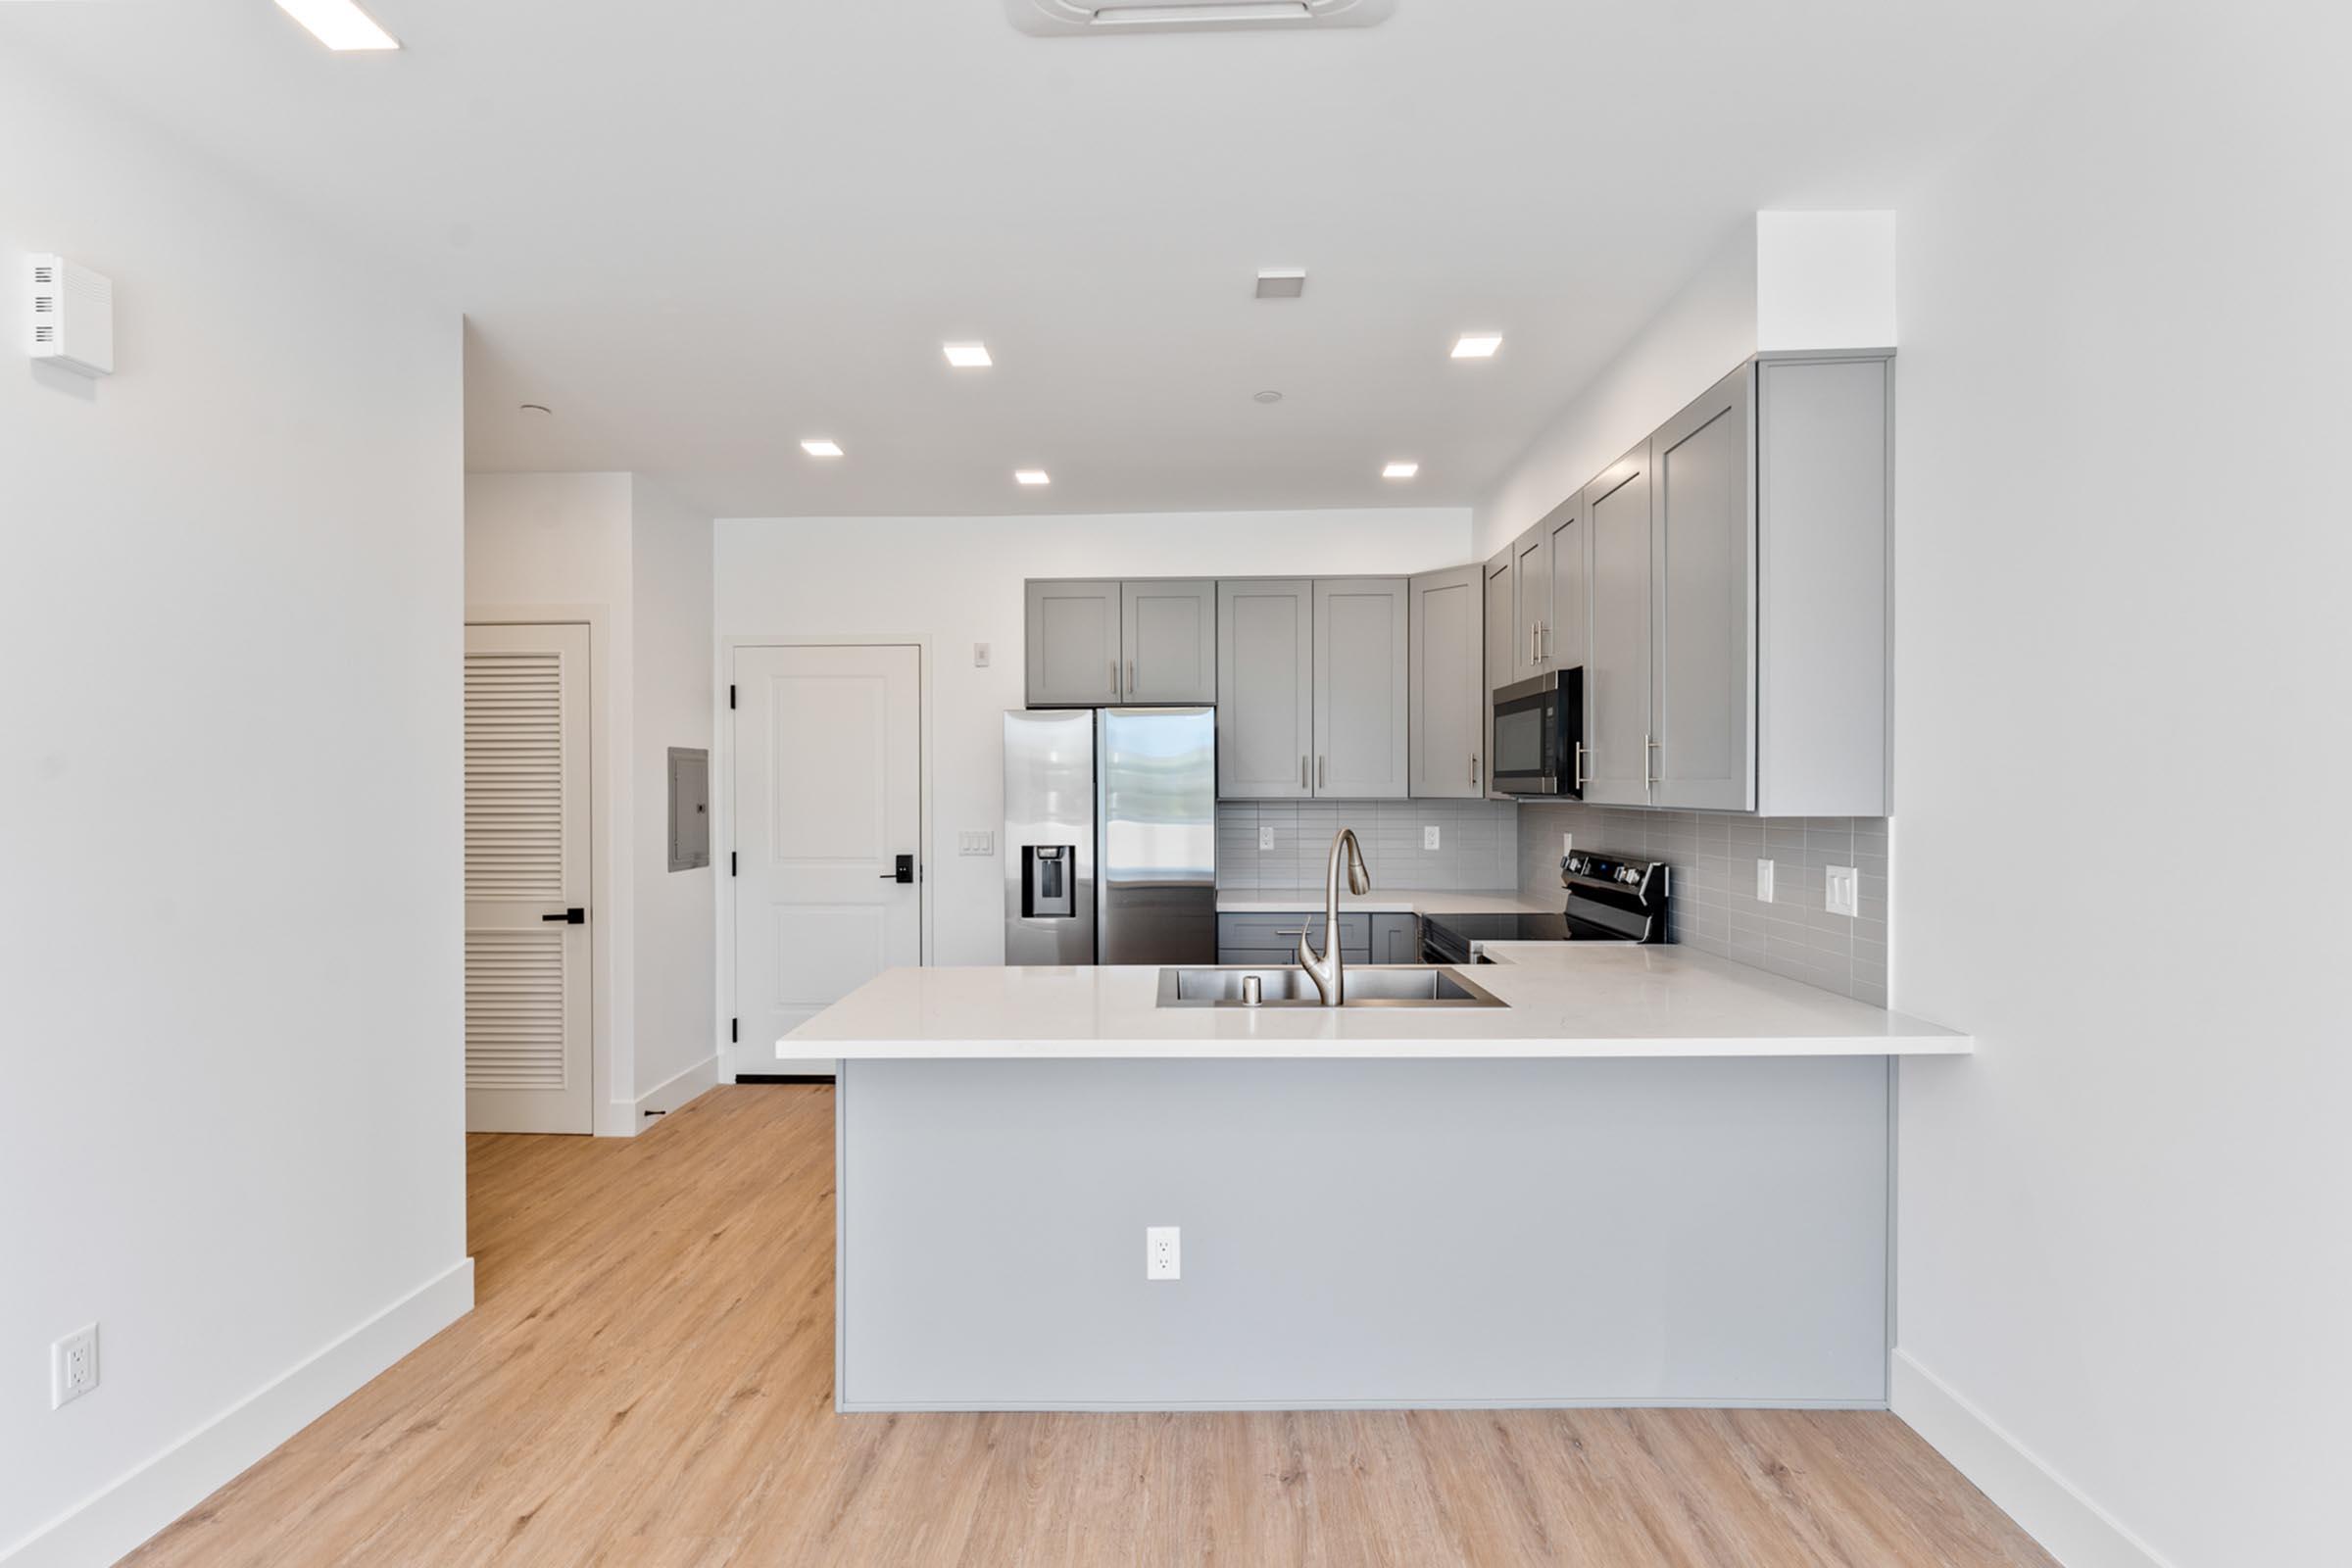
(828,795)
(527,1048)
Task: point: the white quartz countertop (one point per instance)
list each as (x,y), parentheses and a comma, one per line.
(1410,901)
(1564,1000)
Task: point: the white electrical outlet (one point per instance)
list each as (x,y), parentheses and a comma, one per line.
(1844,882)
(1266,838)
(1428,836)
(1164,1251)
(1763,881)
(982,842)
(979,656)
(72,1366)
(1567,845)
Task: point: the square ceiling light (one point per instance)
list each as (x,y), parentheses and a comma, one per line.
(1477,345)
(821,448)
(1032,476)
(339,24)
(967,356)
(1400,470)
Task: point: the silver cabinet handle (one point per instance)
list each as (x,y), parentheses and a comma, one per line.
(1322,771)
(1131,675)
(1302,771)
(1648,774)
(1114,679)
(1301,931)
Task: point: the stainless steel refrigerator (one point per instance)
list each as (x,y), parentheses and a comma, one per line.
(1110,835)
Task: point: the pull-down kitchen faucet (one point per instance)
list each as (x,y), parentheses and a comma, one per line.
(1324,968)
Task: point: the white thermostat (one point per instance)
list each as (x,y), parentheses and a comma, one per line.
(72,311)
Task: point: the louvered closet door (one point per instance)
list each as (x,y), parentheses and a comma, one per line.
(527,866)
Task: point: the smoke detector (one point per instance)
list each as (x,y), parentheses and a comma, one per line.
(1066,17)
(71,315)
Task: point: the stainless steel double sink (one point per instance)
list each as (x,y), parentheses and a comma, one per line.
(1366,985)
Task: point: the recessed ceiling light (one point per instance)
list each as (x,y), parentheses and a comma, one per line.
(821,448)
(1400,470)
(967,356)
(1477,345)
(1269,395)
(1032,476)
(1282,283)
(339,24)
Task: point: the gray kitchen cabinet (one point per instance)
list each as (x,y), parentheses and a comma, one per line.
(1498,648)
(1395,939)
(1531,602)
(1702,696)
(1615,763)
(1266,701)
(1074,643)
(1446,695)
(1360,688)
(1168,641)
(1564,633)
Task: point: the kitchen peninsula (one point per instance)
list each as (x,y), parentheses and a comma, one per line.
(1649,1177)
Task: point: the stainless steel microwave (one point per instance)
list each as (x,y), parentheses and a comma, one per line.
(1539,745)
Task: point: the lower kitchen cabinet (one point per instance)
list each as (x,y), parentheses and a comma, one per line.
(1395,939)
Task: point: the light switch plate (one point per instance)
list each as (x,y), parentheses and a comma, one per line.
(1164,1251)
(1567,845)
(979,656)
(983,841)
(1844,883)
(1428,836)
(1763,881)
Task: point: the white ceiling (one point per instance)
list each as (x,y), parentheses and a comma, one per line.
(704,229)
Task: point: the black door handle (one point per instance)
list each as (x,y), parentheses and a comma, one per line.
(904,873)
(569,917)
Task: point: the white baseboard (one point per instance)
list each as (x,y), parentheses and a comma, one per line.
(672,1091)
(108,1525)
(2072,1528)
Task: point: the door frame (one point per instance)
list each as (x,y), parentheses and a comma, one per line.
(723,801)
(603,1120)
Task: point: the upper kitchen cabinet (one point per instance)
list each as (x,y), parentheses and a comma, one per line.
(1265,690)
(1499,671)
(1447,696)
(1075,651)
(1737,603)
(1168,632)
(1360,686)
(1702,595)
(1531,601)
(1613,761)
(1565,645)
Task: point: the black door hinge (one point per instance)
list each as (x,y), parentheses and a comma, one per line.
(735,1030)
(730,694)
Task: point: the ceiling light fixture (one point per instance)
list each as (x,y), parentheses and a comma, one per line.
(821,448)
(1032,476)
(1477,345)
(1400,470)
(1269,395)
(339,24)
(967,356)
(1281,282)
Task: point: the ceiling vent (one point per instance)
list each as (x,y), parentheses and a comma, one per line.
(1066,17)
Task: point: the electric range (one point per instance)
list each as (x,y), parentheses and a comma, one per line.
(1611,898)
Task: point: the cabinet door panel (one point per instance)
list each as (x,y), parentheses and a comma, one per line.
(1169,630)
(1446,718)
(1530,597)
(1617,678)
(1266,683)
(1564,634)
(1360,689)
(1074,642)
(1703,601)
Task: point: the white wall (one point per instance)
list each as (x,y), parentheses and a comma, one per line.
(626,550)
(674,1052)
(1707,328)
(957,580)
(2123,557)
(230,966)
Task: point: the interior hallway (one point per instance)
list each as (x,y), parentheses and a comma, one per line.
(647,1380)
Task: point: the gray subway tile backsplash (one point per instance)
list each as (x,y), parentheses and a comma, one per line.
(1714,906)
(1478,843)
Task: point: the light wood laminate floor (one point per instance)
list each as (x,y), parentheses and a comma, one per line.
(648,1381)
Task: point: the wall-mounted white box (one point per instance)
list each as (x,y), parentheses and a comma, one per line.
(70,314)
